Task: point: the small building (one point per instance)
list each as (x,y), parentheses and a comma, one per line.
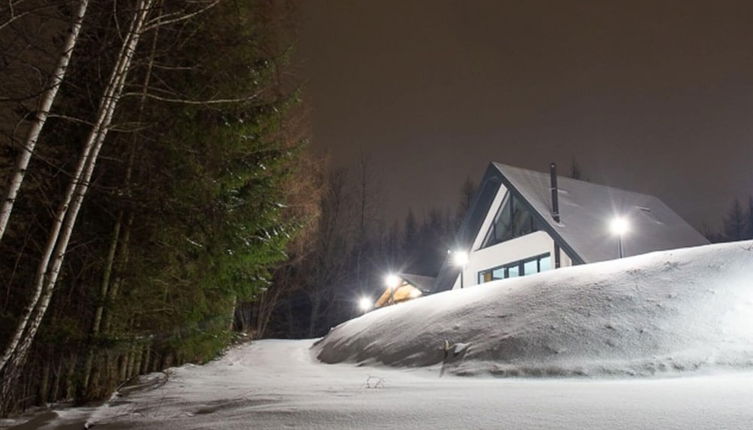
(407,286)
(523,222)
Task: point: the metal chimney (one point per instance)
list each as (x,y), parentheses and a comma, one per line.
(555,194)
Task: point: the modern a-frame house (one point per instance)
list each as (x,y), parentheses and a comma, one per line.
(523,222)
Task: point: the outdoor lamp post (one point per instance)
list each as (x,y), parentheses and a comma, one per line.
(392,281)
(619,226)
(460,259)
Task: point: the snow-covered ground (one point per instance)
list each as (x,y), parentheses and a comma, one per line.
(659,313)
(275,384)
(657,341)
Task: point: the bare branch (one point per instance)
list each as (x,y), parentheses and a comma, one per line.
(195,102)
(160,20)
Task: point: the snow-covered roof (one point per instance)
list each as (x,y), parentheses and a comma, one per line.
(586,209)
(423,283)
(585,212)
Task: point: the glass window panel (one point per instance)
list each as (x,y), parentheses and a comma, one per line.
(545,263)
(512,221)
(513,272)
(484,276)
(530,267)
(498,273)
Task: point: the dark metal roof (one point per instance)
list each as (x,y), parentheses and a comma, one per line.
(585,211)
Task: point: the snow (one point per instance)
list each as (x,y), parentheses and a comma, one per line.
(275,384)
(682,320)
(666,312)
(587,208)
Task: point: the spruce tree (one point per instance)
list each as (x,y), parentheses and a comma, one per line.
(734,223)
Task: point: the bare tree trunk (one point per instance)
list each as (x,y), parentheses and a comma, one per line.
(124,362)
(102,295)
(44,385)
(113,291)
(314,317)
(56,382)
(146,360)
(43,110)
(70,381)
(138,353)
(68,212)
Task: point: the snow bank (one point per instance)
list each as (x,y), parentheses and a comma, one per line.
(669,311)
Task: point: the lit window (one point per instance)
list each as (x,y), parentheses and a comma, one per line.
(529,266)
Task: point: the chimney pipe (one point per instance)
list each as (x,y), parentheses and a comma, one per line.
(555,194)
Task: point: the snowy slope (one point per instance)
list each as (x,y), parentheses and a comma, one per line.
(663,312)
(274,384)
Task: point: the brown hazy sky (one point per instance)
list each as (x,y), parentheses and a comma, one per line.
(651,96)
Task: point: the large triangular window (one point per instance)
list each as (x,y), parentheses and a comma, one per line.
(511,221)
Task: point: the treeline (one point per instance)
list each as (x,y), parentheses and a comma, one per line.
(348,253)
(156,176)
(347,256)
(737,224)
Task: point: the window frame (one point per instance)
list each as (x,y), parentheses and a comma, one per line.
(520,264)
(510,203)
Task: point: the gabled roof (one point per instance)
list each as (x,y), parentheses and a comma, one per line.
(585,210)
(423,283)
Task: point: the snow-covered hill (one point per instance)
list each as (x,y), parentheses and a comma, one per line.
(274,384)
(663,312)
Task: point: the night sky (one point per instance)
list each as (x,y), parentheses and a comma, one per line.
(650,96)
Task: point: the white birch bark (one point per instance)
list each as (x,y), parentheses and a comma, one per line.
(43,110)
(67,213)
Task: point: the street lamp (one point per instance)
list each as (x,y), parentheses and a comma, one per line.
(392,281)
(365,304)
(619,226)
(460,259)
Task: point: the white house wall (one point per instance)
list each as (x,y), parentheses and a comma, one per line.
(520,248)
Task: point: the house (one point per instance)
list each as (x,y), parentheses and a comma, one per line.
(523,222)
(401,287)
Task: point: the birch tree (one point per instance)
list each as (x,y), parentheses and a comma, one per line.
(43,111)
(65,217)
(200,189)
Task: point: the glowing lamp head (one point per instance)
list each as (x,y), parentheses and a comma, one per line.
(392,280)
(365,304)
(460,258)
(619,226)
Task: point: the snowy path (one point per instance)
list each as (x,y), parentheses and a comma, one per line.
(276,384)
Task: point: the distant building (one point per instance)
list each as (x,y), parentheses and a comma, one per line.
(408,286)
(523,222)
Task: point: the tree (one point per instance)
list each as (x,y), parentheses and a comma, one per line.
(197,177)
(48,270)
(734,223)
(749,219)
(576,172)
(40,118)
(467,193)
(410,238)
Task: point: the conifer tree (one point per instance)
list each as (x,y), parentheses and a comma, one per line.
(749,219)
(734,223)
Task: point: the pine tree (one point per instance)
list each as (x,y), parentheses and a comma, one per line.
(410,238)
(576,172)
(187,211)
(734,223)
(467,193)
(749,219)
